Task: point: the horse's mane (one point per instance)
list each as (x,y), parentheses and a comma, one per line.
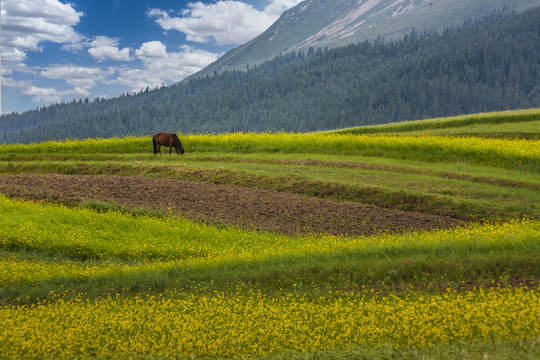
(176,140)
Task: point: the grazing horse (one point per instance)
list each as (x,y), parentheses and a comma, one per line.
(167,139)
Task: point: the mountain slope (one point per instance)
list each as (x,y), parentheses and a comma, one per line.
(331,23)
(487,66)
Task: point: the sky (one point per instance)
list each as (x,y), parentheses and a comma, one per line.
(59,50)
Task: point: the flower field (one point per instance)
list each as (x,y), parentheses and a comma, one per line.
(455,276)
(501,152)
(173,325)
(244,319)
(99,244)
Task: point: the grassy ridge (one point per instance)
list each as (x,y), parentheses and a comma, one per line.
(521,130)
(136,250)
(241,293)
(508,153)
(457,190)
(454,122)
(95,283)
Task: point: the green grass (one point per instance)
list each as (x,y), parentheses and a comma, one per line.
(136,161)
(522,120)
(490,192)
(526,349)
(86,252)
(461,190)
(505,153)
(521,130)
(55,248)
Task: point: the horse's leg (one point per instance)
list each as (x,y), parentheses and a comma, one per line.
(159,148)
(170,150)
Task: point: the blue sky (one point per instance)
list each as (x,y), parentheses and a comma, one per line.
(58,50)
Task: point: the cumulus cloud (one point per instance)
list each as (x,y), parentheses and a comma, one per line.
(43,94)
(81,77)
(151,50)
(224,22)
(27,23)
(14,57)
(161,67)
(104,47)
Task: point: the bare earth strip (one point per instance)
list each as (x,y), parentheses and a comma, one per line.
(257,209)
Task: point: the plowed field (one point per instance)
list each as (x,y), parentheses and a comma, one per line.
(251,208)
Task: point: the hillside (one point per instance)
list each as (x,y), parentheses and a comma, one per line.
(487,65)
(365,243)
(522,124)
(332,23)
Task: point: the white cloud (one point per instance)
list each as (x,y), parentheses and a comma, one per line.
(43,94)
(162,67)
(151,50)
(104,47)
(81,77)
(223,22)
(277,7)
(28,23)
(26,26)
(12,56)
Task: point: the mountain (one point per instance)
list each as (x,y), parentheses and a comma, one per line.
(487,65)
(333,23)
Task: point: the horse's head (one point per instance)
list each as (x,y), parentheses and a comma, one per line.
(178,146)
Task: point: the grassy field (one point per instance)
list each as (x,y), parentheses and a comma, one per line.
(90,271)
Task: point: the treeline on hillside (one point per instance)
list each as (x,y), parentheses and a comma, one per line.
(488,65)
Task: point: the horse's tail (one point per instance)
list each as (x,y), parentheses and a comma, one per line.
(155,144)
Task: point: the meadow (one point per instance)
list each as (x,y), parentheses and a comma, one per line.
(87,275)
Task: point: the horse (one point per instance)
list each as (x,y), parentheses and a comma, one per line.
(167,139)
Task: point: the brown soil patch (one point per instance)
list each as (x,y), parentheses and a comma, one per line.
(250,208)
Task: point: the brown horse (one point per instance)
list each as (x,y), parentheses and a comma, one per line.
(167,139)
